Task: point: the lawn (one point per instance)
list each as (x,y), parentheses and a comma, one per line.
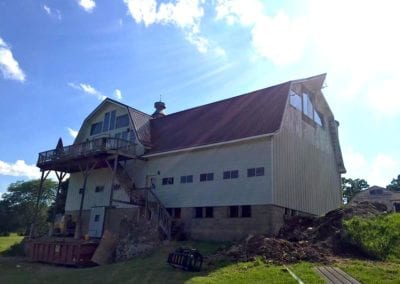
(6,242)
(153,269)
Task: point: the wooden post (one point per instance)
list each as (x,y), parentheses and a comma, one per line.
(60,177)
(114,172)
(85,173)
(42,179)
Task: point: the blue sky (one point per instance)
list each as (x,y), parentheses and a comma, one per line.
(59,59)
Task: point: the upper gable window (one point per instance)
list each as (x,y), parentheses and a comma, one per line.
(308,108)
(106,122)
(295,100)
(122,121)
(317,118)
(112,119)
(96,128)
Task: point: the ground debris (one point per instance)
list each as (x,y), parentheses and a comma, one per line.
(313,239)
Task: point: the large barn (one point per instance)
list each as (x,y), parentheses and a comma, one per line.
(219,171)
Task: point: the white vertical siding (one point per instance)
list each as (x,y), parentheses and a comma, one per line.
(306,176)
(219,192)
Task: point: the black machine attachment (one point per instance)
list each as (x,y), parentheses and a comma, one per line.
(186,258)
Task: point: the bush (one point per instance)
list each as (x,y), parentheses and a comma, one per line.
(4,234)
(378,237)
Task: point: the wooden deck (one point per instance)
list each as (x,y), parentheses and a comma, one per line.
(71,158)
(335,275)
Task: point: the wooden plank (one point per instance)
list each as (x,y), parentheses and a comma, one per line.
(334,275)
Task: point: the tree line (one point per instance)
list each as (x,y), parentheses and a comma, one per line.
(18,206)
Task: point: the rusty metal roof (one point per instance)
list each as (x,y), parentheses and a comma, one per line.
(253,114)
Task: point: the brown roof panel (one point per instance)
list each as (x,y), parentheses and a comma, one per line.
(256,113)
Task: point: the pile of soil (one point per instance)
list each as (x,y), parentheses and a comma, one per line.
(327,231)
(313,239)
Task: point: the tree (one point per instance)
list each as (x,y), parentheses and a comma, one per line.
(59,206)
(395,184)
(18,205)
(351,187)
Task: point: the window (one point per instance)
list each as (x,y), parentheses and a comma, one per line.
(96,128)
(132,136)
(106,122)
(169,210)
(295,100)
(260,171)
(187,179)
(124,135)
(122,121)
(233,211)
(97,218)
(198,212)
(231,174)
(177,213)
(252,172)
(168,180)
(117,186)
(112,119)
(99,188)
(308,108)
(207,177)
(317,118)
(209,212)
(246,211)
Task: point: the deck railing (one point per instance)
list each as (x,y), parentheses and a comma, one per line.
(87,148)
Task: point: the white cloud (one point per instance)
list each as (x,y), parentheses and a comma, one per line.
(52,12)
(47,9)
(379,170)
(384,99)
(277,38)
(8,65)
(88,89)
(184,14)
(72,132)
(87,5)
(19,168)
(118,94)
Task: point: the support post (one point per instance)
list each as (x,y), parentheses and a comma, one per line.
(60,177)
(85,173)
(43,177)
(114,172)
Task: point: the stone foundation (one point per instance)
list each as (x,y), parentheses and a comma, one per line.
(265,219)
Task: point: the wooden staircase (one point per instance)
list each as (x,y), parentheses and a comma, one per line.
(154,210)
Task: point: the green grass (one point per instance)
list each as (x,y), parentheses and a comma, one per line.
(372,271)
(7,242)
(378,237)
(152,269)
(306,273)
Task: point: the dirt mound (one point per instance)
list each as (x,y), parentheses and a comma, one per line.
(314,239)
(277,250)
(327,231)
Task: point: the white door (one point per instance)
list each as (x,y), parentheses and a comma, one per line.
(96,222)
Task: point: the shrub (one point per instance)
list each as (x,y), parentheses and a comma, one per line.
(378,237)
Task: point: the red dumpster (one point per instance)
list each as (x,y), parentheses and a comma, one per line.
(63,252)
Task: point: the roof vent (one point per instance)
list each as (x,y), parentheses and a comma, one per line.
(159,106)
